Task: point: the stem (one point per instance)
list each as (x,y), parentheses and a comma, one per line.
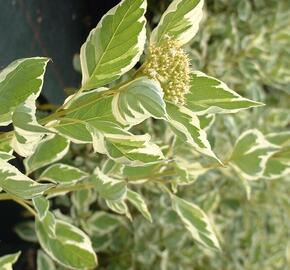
(69,189)
(22,202)
(26,206)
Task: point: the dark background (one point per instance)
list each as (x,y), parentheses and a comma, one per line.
(55,29)
(51,28)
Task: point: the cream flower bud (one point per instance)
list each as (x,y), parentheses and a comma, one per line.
(169,64)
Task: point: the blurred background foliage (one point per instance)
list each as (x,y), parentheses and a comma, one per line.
(245,43)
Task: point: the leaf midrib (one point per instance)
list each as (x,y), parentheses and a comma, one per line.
(111,39)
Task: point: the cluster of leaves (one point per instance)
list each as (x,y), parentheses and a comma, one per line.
(94,161)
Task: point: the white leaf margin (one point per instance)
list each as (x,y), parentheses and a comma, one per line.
(261,143)
(140,44)
(193,18)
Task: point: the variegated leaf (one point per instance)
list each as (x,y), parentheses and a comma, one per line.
(137,200)
(18,184)
(82,199)
(137,101)
(119,207)
(18,81)
(187,171)
(7,261)
(89,108)
(251,153)
(209,95)
(65,243)
(50,150)
(127,148)
(109,188)
(41,205)
(196,221)
(90,119)
(186,126)
(63,174)
(44,262)
(278,165)
(115,45)
(180,21)
(28,133)
(206,121)
(101,223)
(6,156)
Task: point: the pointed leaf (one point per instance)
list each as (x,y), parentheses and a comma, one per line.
(42,206)
(6,156)
(18,184)
(186,126)
(210,95)
(109,188)
(101,223)
(26,231)
(44,262)
(27,132)
(63,174)
(119,207)
(251,154)
(137,101)
(50,150)
(133,150)
(7,261)
(137,200)
(278,165)
(180,21)
(196,222)
(67,244)
(18,81)
(115,45)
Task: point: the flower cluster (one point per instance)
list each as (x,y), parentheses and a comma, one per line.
(168,63)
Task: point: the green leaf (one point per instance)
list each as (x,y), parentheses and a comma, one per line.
(82,199)
(244,10)
(278,165)
(281,139)
(42,206)
(196,222)
(187,171)
(109,188)
(209,95)
(18,81)
(65,243)
(137,200)
(115,45)
(206,121)
(101,223)
(186,127)
(90,119)
(50,150)
(180,21)
(27,132)
(26,231)
(140,172)
(63,174)
(137,101)
(5,145)
(7,261)
(44,262)
(119,207)
(18,184)
(251,154)
(89,108)
(6,156)
(127,148)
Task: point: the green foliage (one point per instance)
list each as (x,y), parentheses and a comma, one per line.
(120,157)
